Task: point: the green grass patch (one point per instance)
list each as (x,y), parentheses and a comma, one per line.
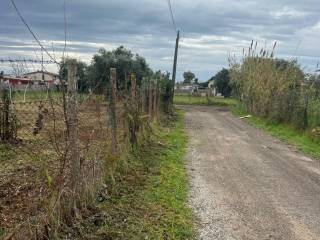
(149,201)
(2,233)
(195,100)
(6,153)
(300,139)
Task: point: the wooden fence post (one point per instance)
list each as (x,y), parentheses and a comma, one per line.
(133,87)
(143,95)
(75,168)
(159,105)
(133,127)
(127,80)
(150,100)
(112,107)
(155,100)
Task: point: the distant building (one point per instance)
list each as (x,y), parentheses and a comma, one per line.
(16,81)
(34,80)
(193,89)
(44,77)
(186,88)
(212,87)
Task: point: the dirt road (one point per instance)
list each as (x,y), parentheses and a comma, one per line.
(247,184)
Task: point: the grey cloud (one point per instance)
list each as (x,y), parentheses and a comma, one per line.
(210,29)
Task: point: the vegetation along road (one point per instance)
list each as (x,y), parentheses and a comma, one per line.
(246,184)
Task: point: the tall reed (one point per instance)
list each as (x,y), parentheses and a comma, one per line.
(274,88)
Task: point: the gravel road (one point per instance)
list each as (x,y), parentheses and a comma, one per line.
(246,184)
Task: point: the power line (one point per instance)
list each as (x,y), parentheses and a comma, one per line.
(32,33)
(25,61)
(65,29)
(172,17)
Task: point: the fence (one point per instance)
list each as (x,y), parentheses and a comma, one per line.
(57,147)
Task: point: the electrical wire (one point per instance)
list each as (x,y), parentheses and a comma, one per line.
(32,33)
(172,16)
(65,30)
(25,60)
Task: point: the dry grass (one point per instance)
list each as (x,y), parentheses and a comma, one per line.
(33,168)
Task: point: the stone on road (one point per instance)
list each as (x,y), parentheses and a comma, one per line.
(246,184)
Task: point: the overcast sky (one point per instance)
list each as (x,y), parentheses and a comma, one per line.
(210,30)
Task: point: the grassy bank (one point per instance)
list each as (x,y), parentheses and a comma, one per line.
(149,200)
(300,139)
(194,100)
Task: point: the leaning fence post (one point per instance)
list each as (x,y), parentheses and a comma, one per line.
(75,168)
(112,108)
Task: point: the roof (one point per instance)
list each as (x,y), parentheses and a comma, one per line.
(187,84)
(49,73)
(16,78)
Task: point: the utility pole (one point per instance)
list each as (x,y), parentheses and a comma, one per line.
(174,71)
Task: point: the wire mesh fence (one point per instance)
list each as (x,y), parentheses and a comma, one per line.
(57,144)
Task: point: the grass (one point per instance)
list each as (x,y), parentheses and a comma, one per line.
(38,95)
(150,200)
(299,139)
(2,233)
(195,100)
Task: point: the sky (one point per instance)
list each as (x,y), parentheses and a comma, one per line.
(210,30)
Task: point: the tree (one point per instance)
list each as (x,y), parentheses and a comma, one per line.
(188,77)
(222,82)
(196,80)
(96,75)
(123,60)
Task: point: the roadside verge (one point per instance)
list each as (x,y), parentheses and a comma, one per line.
(150,200)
